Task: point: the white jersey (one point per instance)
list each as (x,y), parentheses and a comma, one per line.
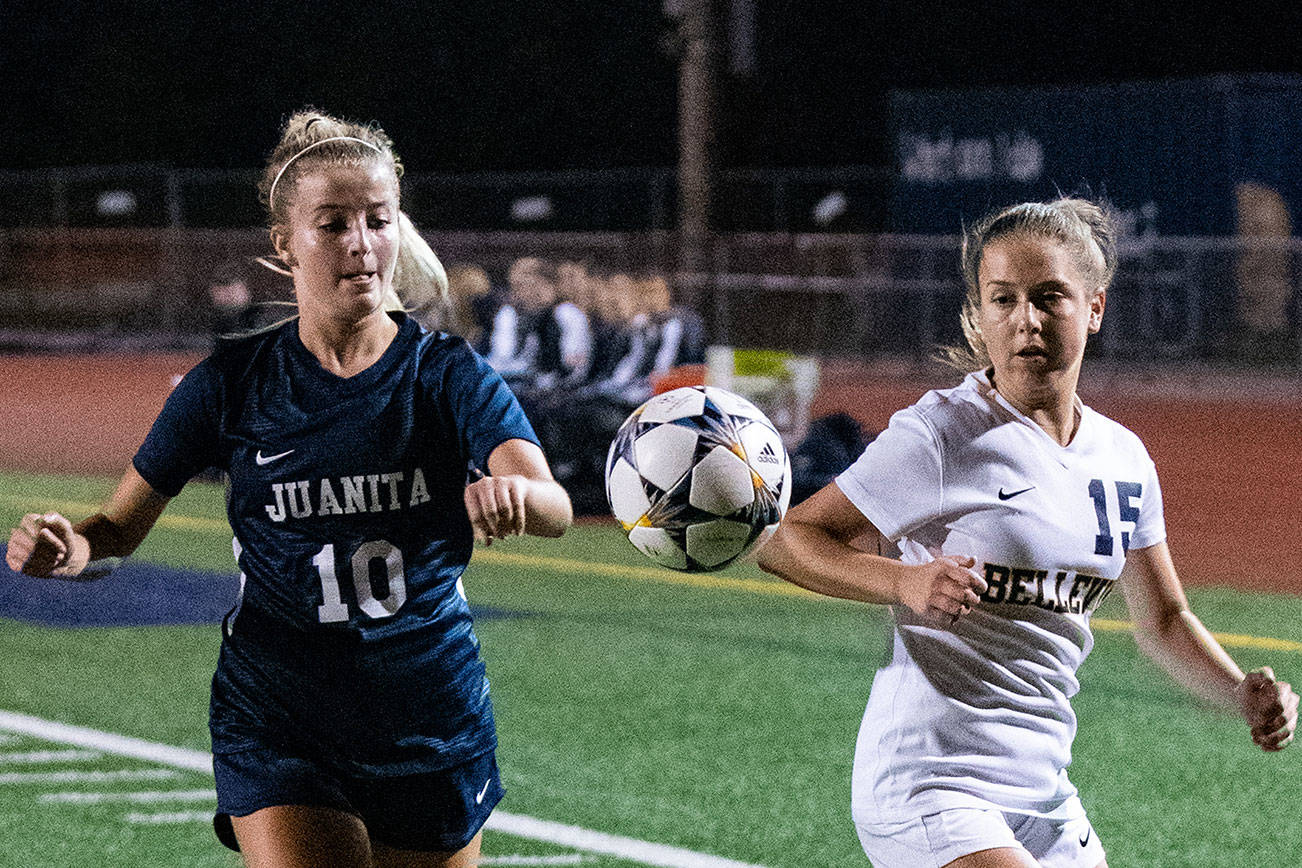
(979,714)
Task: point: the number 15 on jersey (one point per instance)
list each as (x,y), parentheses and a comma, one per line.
(1127,511)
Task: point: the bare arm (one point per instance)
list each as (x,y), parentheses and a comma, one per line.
(1171,634)
(49,545)
(519,497)
(813,548)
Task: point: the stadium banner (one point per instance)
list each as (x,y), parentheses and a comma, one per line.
(1167,154)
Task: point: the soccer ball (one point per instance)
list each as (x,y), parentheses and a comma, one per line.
(695,476)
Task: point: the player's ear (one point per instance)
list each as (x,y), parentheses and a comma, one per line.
(1097,303)
(280,241)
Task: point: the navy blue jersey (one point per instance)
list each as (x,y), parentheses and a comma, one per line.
(346,499)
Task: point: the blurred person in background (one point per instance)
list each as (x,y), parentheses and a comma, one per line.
(628,383)
(612,310)
(351,721)
(231,310)
(1014,510)
(577,423)
(574,294)
(471,303)
(679,332)
(526,339)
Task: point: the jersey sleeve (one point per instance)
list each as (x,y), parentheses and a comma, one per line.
(486,411)
(184,438)
(1150,526)
(896,482)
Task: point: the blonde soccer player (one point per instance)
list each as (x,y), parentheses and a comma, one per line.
(1015,509)
(350,715)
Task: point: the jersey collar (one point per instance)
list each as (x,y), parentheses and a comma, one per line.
(980,380)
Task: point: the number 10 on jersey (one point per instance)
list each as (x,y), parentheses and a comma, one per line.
(333,608)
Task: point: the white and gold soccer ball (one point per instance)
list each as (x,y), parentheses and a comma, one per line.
(695,476)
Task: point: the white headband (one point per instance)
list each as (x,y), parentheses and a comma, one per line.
(271,196)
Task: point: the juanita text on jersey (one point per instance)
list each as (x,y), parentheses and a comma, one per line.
(347,495)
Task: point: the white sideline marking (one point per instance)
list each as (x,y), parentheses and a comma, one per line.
(82,777)
(145,797)
(49,756)
(564,859)
(166,817)
(612,845)
(122,745)
(519,825)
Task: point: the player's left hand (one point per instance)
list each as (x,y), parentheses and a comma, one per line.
(495,505)
(1269,707)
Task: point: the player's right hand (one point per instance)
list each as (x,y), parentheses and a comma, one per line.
(1270,707)
(943,590)
(41,544)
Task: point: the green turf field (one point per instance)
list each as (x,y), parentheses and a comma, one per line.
(713,713)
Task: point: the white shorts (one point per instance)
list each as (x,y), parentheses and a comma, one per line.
(938,839)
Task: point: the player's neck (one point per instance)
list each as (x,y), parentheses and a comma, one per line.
(347,348)
(1059,422)
(1049,403)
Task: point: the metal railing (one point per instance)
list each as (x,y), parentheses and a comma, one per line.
(1186,299)
(1206,299)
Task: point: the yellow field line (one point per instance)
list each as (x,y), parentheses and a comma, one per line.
(80,508)
(1229,640)
(780,588)
(652,574)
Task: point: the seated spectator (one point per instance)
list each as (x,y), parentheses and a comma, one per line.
(679,332)
(633,337)
(574,294)
(472,303)
(611,312)
(550,339)
(516,344)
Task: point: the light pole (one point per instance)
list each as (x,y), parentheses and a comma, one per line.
(698,65)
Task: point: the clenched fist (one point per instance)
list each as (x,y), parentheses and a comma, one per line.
(1269,707)
(42,545)
(495,505)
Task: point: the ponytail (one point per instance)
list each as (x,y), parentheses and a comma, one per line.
(420,283)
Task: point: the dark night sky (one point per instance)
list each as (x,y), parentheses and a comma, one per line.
(496,84)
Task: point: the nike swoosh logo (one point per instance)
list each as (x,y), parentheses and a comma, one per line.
(1009,495)
(479,799)
(267,459)
(1085,839)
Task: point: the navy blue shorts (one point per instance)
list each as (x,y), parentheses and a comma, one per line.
(434,812)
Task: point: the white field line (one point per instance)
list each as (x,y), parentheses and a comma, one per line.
(563,859)
(86,777)
(631,849)
(146,797)
(36,757)
(109,742)
(611,845)
(168,817)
